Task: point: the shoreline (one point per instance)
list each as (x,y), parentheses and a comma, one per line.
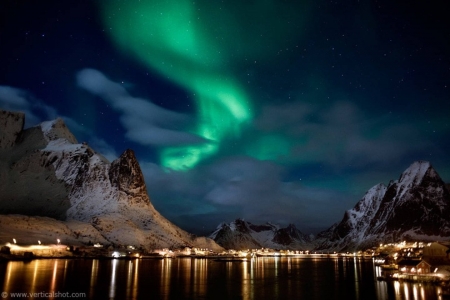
(136,255)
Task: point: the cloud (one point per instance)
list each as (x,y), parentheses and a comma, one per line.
(240,179)
(35,110)
(15,99)
(277,117)
(145,122)
(257,191)
(340,134)
(240,187)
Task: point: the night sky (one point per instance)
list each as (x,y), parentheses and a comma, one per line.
(280,111)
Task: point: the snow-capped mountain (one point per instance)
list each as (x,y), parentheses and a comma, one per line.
(416,206)
(45,172)
(240,234)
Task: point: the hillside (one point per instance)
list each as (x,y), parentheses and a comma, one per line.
(45,172)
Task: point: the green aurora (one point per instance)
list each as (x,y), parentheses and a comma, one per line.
(201,50)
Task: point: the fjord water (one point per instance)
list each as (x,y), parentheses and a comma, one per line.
(191,278)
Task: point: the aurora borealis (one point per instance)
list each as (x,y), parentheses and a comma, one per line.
(280,111)
(199,46)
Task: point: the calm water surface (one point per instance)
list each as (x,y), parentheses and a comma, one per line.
(186,278)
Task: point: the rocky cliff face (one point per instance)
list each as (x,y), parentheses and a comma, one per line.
(45,172)
(11,125)
(240,235)
(28,183)
(416,206)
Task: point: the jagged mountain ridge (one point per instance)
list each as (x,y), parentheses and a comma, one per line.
(414,207)
(45,172)
(240,234)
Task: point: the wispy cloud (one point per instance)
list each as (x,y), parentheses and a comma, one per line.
(145,122)
(240,187)
(340,134)
(15,99)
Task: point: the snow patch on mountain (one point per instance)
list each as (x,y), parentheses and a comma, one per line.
(412,176)
(57,129)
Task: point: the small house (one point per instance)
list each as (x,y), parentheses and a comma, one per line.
(414,266)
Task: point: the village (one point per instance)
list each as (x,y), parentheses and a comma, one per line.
(419,262)
(410,261)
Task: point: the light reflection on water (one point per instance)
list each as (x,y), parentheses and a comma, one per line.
(93,281)
(405,290)
(186,278)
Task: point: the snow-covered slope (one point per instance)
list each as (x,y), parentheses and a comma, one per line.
(45,172)
(240,235)
(416,206)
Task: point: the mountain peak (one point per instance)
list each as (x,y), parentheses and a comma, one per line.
(57,129)
(414,176)
(415,173)
(125,174)
(415,206)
